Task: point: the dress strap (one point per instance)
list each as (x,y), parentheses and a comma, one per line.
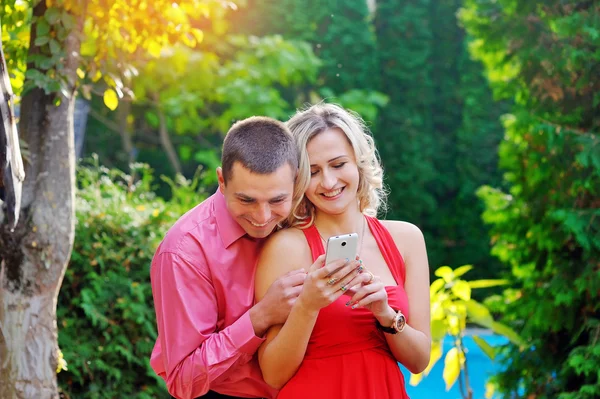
(388,249)
(314,241)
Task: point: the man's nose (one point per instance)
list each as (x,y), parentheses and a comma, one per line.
(263,213)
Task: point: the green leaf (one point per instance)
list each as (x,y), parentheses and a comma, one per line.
(41,40)
(42,28)
(462,290)
(479,314)
(52,15)
(111,99)
(509,333)
(54,47)
(485,347)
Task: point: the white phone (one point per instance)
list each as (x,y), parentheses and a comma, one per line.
(341,247)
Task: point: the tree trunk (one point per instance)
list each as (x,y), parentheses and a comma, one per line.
(122,113)
(165,141)
(35,256)
(12,173)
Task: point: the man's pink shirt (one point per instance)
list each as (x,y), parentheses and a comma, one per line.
(203,286)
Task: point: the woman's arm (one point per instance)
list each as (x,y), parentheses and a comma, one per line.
(412,346)
(280,355)
(284,348)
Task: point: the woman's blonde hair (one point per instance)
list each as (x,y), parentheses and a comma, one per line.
(308,123)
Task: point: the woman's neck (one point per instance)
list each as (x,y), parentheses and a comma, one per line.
(351,221)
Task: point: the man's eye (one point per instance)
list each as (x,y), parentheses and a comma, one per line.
(277,201)
(246,201)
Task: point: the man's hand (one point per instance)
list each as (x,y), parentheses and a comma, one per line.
(275,306)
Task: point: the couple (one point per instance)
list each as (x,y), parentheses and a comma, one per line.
(243,315)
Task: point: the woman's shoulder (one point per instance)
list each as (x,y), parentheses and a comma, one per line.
(287,238)
(402,228)
(287,244)
(406,235)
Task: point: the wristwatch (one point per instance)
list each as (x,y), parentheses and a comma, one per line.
(397,326)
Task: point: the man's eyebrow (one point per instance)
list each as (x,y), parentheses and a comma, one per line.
(280,197)
(243,196)
(332,159)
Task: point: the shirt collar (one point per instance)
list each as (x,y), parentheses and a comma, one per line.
(229,230)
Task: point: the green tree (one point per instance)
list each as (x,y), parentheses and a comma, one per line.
(546,58)
(340,32)
(438,135)
(63,41)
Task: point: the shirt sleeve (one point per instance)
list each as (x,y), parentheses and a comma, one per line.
(193,353)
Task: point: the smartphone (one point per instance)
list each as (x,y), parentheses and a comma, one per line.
(341,247)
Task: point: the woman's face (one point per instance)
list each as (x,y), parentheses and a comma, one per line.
(334,173)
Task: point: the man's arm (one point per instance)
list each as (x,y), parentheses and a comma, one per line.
(193,353)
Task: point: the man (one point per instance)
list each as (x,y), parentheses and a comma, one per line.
(203,271)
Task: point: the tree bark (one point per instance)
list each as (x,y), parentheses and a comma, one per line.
(122,113)
(35,256)
(12,173)
(165,141)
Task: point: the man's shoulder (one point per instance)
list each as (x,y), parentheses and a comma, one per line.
(192,229)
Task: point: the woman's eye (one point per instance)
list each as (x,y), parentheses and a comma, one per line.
(313,172)
(339,165)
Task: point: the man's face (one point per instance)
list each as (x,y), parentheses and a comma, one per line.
(258,202)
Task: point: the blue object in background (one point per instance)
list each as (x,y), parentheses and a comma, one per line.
(480,368)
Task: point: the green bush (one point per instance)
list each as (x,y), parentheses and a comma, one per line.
(105,314)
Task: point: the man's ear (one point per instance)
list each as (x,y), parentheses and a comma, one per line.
(221,180)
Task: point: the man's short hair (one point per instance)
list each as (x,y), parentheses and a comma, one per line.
(260,144)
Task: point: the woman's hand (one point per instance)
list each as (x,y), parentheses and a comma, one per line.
(325,284)
(371,294)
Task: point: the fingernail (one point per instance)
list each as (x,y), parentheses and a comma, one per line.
(360,269)
(360,261)
(355,306)
(347,259)
(348,303)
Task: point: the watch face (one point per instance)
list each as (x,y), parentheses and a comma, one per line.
(400,322)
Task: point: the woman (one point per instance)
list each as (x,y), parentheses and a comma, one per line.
(349,327)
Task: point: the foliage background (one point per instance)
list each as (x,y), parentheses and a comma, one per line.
(480,109)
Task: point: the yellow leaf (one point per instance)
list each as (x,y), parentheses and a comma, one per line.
(490,389)
(96,76)
(140,208)
(452,366)
(198,34)
(154,48)
(437,311)
(110,99)
(436,354)
(436,286)
(462,290)
(438,329)
(445,272)
(487,283)
(415,379)
(80,73)
(459,271)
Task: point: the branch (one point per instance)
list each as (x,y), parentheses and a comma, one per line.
(12,172)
